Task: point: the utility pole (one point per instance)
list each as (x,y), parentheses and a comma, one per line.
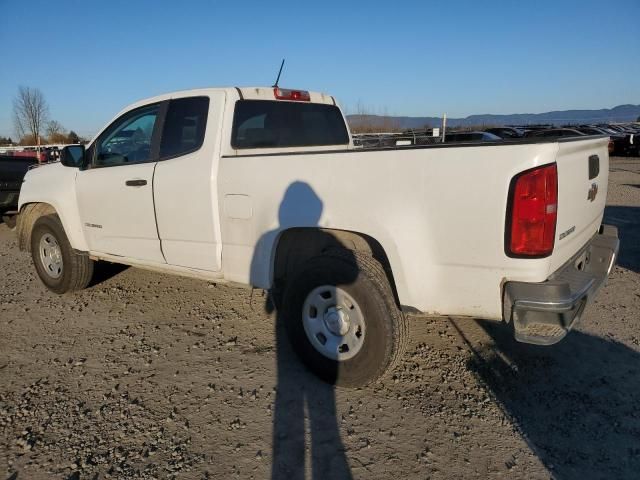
(444,127)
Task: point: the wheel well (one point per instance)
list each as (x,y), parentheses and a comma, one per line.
(298,245)
(29,213)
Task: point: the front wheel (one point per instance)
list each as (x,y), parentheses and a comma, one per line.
(59,267)
(342,319)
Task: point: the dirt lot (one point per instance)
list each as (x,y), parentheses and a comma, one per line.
(150,376)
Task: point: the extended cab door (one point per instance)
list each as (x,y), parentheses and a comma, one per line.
(185,182)
(115,191)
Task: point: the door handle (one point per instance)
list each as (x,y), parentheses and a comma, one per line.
(135,183)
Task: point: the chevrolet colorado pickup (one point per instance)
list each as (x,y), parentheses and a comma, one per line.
(263,187)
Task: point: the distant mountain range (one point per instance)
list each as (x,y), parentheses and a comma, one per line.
(621,113)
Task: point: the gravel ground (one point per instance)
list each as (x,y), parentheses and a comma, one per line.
(150,376)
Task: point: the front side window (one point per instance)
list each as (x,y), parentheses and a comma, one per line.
(128,139)
(184,126)
(273,124)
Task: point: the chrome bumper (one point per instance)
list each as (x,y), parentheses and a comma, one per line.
(543,313)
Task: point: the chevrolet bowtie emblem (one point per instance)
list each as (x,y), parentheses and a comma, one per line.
(593,191)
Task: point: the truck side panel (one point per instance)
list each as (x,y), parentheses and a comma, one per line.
(426,207)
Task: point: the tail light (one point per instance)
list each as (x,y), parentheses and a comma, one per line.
(297,95)
(611,146)
(532,213)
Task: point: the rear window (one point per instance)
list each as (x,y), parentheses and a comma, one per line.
(274,124)
(184,126)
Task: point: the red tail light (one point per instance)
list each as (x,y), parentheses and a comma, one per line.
(611,146)
(297,95)
(532,212)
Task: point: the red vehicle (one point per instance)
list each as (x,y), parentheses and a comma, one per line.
(41,157)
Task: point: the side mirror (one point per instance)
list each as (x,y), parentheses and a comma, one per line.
(72,156)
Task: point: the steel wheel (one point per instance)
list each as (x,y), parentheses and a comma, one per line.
(341,318)
(333,322)
(51,255)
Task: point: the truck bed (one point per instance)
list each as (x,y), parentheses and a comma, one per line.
(12,171)
(439,211)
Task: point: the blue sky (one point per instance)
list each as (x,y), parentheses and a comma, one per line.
(422,58)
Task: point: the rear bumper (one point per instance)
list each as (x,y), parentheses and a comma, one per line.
(543,313)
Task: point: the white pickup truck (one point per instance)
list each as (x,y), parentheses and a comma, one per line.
(263,187)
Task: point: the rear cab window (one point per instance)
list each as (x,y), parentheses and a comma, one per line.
(184,126)
(280,124)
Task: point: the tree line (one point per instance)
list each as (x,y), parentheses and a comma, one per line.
(33,124)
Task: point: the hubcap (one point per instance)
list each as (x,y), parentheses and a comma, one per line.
(51,255)
(333,322)
(336,320)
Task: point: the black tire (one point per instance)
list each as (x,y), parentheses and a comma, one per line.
(364,279)
(77,269)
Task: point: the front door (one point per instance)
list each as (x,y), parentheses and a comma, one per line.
(115,191)
(185,182)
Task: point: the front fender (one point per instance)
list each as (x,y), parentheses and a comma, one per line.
(55,185)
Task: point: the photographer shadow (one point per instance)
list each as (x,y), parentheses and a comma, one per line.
(306,436)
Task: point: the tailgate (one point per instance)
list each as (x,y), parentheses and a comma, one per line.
(13,170)
(583,173)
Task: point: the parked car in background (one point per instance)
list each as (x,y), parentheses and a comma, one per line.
(622,128)
(555,132)
(30,152)
(462,137)
(506,132)
(530,128)
(631,134)
(590,130)
(619,143)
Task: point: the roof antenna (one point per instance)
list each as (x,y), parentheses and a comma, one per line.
(275,85)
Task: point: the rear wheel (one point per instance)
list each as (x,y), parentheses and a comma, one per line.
(58,266)
(342,319)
